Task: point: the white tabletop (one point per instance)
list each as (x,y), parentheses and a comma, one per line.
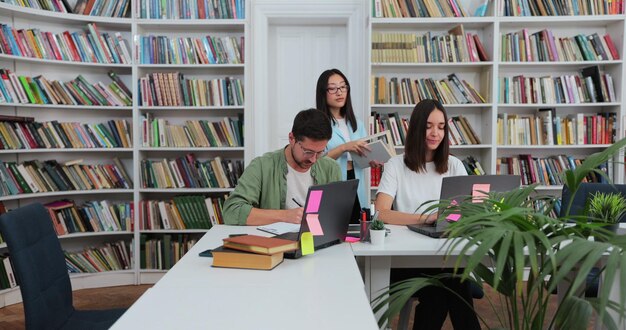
(320,291)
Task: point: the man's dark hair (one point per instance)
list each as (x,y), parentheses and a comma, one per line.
(312,124)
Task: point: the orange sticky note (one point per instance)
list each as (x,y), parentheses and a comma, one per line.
(313,204)
(314,224)
(453,217)
(306,243)
(479,192)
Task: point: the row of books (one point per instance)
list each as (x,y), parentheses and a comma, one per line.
(49,176)
(543,46)
(205,50)
(86,46)
(7,276)
(457,46)
(188,172)
(104,8)
(194,133)
(174,89)
(418,8)
(546,170)
(460,130)
(192,9)
(107,257)
(181,212)
(91,216)
(571,89)
(39,90)
(408,91)
(28,134)
(546,128)
(163,251)
(560,8)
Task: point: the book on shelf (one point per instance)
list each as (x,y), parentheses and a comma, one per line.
(259,244)
(559,8)
(174,89)
(188,50)
(187,172)
(7,275)
(159,251)
(106,257)
(230,258)
(117,8)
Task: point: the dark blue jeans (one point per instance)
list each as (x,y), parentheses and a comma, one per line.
(435,303)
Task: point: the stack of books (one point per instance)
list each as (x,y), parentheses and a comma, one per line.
(252,252)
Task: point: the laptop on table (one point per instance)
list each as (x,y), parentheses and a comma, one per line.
(457,187)
(333,203)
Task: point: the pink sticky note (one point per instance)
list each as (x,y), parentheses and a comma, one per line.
(313,204)
(351,239)
(479,192)
(314,224)
(453,217)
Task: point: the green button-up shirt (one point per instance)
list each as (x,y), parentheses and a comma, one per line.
(264,185)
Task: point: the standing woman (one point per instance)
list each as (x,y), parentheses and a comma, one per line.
(332,96)
(408,181)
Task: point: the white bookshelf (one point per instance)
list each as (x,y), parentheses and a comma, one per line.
(484,77)
(130,28)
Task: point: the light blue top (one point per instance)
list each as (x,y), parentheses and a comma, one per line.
(336,140)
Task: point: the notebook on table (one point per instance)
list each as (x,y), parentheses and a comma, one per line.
(332,205)
(457,187)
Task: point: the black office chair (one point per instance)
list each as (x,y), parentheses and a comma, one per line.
(39,265)
(578,204)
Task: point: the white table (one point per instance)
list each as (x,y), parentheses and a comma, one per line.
(402,249)
(319,291)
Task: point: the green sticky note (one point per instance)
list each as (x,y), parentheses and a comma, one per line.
(306,243)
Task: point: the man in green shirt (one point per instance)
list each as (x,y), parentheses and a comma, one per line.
(274,186)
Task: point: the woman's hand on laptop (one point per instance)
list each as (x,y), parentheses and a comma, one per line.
(293,215)
(429,219)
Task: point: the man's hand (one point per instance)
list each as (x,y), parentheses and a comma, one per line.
(292,215)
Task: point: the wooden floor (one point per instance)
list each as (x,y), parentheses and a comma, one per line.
(12,317)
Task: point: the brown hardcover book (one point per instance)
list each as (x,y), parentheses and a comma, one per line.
(229,258)
(260,244)
(482,54)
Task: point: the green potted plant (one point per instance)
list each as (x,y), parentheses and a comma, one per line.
(607,209)
(517,233)
(377,232)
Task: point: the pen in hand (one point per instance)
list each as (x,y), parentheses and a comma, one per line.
(295,201)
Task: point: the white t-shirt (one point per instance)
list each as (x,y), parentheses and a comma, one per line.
(345,132)
(298,184)
(410,189)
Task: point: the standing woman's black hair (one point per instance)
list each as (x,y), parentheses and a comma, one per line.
(415,147)
(320,98)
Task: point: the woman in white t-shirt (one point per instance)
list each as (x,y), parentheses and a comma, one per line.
(408,181)
(332,96)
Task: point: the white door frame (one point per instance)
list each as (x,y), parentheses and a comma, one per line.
(352,13)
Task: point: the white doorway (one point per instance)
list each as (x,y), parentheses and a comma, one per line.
(291,45)
(297,56)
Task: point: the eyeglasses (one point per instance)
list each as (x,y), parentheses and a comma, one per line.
(335,90)
(310,153)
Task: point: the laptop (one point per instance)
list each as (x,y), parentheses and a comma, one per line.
(334,205)
(453,187)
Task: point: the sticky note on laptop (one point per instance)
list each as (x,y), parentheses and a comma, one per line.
(314,224)
(313,204)
(479,192)
(306,243)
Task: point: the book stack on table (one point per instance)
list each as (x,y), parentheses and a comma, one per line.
(252,252)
